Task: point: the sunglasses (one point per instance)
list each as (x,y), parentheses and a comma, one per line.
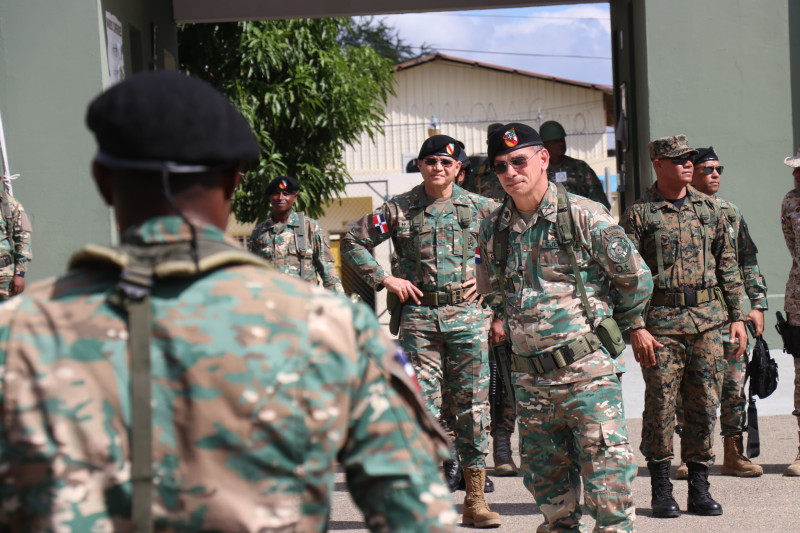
(710,170)
(517,162)
(446,162)
(680,160)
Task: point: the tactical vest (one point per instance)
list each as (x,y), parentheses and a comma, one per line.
(140,267)
(464,214)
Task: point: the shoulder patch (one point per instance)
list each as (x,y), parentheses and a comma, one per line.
(618,247)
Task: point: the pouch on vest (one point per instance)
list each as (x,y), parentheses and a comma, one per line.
(611,337)
(395,308)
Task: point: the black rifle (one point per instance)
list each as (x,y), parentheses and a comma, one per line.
(762,371)
(501,353)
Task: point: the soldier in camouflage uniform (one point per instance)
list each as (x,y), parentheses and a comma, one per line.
(576,175)
(261,383)
(569,398)
(685,240)
(706,179)
(15,246)
(300,252)
(443,325)
(790,222)
(484,181)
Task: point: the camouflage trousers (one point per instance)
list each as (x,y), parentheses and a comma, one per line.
(794,320)
(451,361)
(733,398)
(691,365)
(572,432)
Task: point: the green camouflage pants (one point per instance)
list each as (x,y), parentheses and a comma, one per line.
(573,432)
(453,358)
(691,365)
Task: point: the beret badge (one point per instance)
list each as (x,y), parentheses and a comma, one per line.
(510,138)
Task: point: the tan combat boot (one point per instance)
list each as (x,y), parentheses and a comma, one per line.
(476,511)
(735,462)
(794,468)
(682,472)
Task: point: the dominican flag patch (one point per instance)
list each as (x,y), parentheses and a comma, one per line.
(401,357)
(379,221)
(477,256)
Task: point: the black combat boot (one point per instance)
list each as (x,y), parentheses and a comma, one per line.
(700,500)
(452,472)
(662,502)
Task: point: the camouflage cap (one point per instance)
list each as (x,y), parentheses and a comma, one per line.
(793,161)
(673,146)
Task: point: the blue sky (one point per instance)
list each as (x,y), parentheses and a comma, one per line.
(575,30)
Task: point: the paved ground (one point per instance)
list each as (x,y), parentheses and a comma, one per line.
(768,503)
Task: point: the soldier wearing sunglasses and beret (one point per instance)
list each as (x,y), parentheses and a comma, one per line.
(706,179)
(563,280)
(443,325)
(685,239)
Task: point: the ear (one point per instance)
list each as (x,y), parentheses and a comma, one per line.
(545,158)
(104,182)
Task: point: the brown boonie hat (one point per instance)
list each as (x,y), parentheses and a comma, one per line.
(674,146)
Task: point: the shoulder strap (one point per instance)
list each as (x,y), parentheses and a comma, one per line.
(465,221)
(730,213)
(566,237)
(701,210)
(416,226)
(500,251)
(301,241)
(656,220)
(8,215)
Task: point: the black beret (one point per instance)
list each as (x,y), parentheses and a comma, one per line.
(440,145)
(283,183)
(705,154)
(511,137)
(463,157)
(168,116)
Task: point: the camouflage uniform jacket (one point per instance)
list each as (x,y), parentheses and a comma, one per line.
(790,223)
(544,307)
(486,183)
(578,178)
(754,284)
(682,251)
(276,243)
(16,259)
(441,248)
(261,384)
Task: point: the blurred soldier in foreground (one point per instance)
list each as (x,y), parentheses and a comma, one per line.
(177,383)
(292,242)
(15,245)
(685,240)
(563,280)
(443,326)
(576,175)
(706,179)
(790,221)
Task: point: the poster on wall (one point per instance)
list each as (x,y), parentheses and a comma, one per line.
(116,63)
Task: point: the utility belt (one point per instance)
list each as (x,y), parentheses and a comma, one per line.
(6,260)
(559,358)
(441,298)
(663,298)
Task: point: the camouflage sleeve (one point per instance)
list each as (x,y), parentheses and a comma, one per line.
(729,278)
(324,263)
(369,232)
(788,227)
(594,187)
(622,263)
(394,448)
(754,284)
(22,238)
(485,275)
(631,225)
(252,245)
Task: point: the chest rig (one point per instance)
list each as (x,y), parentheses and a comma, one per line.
(464,215)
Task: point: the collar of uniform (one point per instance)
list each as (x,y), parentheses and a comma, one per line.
(459,196)
(657,201)
(548,208)
(170,229)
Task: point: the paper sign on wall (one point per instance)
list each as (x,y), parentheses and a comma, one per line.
(116,61)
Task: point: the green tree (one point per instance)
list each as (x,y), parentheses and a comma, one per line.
(384,39)
(306,96)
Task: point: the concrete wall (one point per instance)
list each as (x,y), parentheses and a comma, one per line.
(52,63)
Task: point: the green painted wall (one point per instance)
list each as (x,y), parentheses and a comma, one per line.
(52,63)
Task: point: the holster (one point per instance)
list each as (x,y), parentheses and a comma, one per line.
(395,308)
(789,334)
(502,356)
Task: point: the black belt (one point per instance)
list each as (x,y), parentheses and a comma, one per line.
(684,299)
(560,357)
(438,299)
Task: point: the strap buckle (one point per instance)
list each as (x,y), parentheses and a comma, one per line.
(456,296)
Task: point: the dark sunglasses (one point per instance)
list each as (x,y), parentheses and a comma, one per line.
(680,160)
(710,170)
(517,162)
(431,162)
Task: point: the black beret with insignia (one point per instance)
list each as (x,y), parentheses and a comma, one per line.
(283,183)
(512,137)
(705,154)
(440,145)
(167,116)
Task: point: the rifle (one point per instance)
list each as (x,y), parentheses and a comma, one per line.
(501,353)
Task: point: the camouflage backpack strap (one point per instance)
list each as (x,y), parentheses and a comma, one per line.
(465,221)
(500,251)
(565,230)
(8,215)
(301,241)
(656,221)
(701,210)
(417,220)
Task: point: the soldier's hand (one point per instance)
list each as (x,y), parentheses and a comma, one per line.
(739,333)
(471,293)
(17,285)
(644,347)
(757,317)
(403,288)
(497,333)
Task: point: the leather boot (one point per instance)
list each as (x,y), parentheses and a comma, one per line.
(794,468)
(700,500)
(476,511)
(503,462)
(735,463)
(661,501)
(487,487)
(452,473)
